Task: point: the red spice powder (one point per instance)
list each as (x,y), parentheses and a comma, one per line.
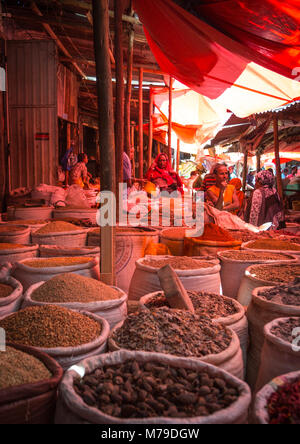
(213,232)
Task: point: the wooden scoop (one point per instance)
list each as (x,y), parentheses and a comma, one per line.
(175,292)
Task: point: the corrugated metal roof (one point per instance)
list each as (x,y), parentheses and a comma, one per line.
(294,106)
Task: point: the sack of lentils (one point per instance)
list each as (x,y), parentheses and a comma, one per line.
(235,263)
(11,293)
(128,387)
(270,245)
(28,385)
(278,401)
(180,333)
(195,273)
(55,251)
(62,234)
(280,353)
(268,304)
(80,293)
(12,234)
(219,309)
(32,271)
(66,335)
(266,275)
(13,253)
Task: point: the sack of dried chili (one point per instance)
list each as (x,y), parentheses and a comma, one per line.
(279,401)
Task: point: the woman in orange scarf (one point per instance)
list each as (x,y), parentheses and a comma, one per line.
(223,196)
(237,183)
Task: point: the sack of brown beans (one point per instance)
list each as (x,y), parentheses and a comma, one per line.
(60,233)
(28,385)
(278,401)
(180,333)
(219,309)
(235,263)
(66,335)
(268,304)
(13,253)
(281,351)
(265,275)
(30,272)
(12,234)
(128,387)
(195,273)
(11,294)
(55,251)
(80,293)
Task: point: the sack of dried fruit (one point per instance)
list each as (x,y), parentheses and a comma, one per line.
(60,233)
(180,333)
(80,293)
(278,401)
(218,308)
(17,252)
(281,350)
(65,335)
(11,294)
(15,234)
(150,388)
(28,385)
(235,263)
(56,251)
(264,275)
(268,304)
(195,273)
(32,271)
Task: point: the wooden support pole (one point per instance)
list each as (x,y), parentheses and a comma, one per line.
(128,92)
(106,131)
(141,141)
(134,150)
(90,19)
(245,169)
(277,157)
(5,128)
(258,162)
(170,120)
(119,110)
(150,144)
(178,155)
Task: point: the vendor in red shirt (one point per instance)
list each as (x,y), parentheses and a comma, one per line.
(163,176)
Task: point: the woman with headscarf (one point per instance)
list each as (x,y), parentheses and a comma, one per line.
(266,204)
(163,176)
(222,195)
(237,183)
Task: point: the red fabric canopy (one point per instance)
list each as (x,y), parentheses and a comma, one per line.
(269,27)
(209,58)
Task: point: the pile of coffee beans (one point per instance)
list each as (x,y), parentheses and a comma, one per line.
(153,389)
